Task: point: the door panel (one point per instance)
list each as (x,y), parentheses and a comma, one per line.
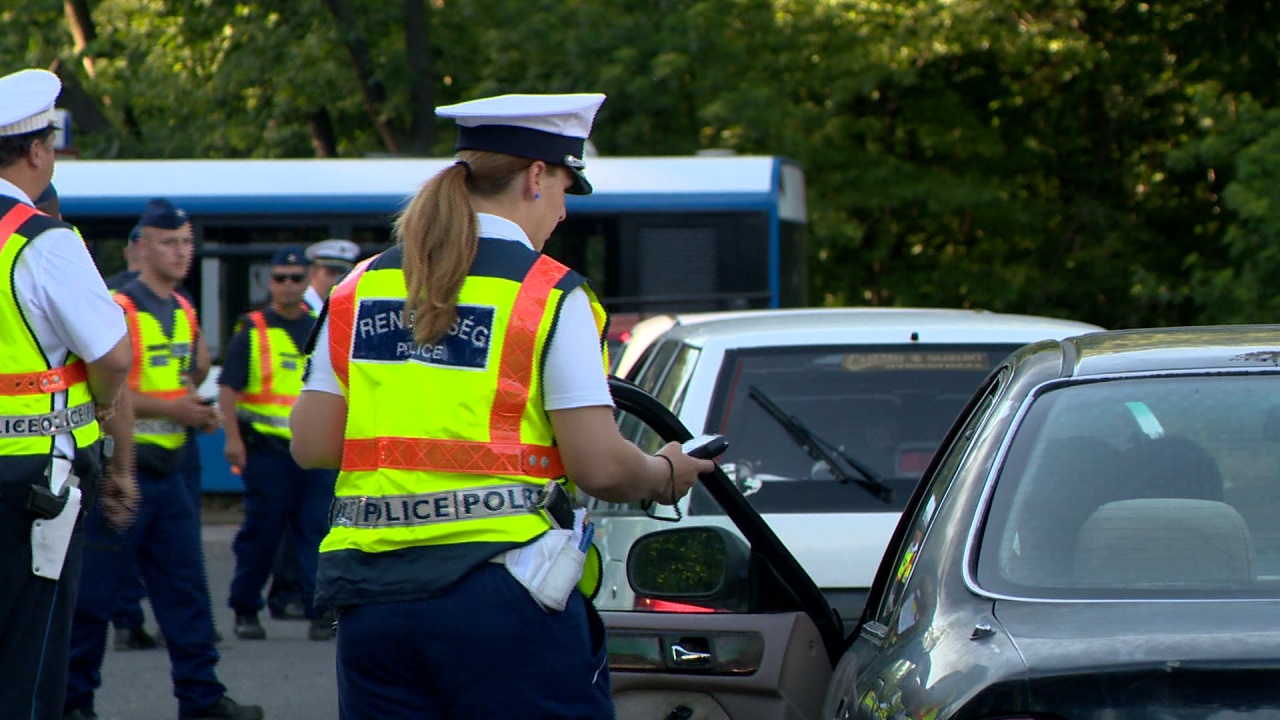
(730,666)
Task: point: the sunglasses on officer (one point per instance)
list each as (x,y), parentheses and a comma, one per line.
(288,277)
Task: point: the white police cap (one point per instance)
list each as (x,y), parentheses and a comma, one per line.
(550,128)
(334,251)
(26,101)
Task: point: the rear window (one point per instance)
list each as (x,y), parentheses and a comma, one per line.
(1157,487)
(883,408)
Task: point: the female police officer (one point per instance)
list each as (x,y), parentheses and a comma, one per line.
(453,377)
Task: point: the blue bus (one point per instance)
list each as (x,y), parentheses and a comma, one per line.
(659,234)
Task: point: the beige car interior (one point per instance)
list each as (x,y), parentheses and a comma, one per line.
(738,666)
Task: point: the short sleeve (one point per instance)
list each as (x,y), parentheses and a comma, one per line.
(574,371)
(235,364)
(320,376)
(72,295)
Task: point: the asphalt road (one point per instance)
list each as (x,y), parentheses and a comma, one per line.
(291,677)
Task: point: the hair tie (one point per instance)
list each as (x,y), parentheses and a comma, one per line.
(466,167)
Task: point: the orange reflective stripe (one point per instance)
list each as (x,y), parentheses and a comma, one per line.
(13,220)
(342,318)
(519,348)
(268,399)
(264,351)
(190,312)
(454,456)
(44,382)
(135,338)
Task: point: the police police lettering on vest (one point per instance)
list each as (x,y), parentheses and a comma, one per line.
(458,382)
(63,362)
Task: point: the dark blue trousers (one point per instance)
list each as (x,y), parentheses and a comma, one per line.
(484,649)
(164,543)
(34,612)
(279,496)
(129,612)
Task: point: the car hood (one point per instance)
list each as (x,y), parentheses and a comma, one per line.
(1168,659)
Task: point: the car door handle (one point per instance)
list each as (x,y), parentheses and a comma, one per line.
(682,656)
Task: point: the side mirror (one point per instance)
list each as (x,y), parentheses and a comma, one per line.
(704,566)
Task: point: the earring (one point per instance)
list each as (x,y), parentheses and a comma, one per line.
(536,196)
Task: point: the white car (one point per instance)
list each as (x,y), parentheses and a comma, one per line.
(832,415)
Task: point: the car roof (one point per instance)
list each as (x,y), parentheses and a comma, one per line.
(870,326)
(1221,347)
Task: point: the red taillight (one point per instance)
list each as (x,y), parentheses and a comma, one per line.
(651,605)
(625,336)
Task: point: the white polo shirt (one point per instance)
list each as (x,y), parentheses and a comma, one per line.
(65,300)
(574,372)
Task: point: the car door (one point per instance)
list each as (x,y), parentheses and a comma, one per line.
(888,661)
(765,651)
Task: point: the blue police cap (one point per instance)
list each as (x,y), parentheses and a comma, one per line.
(161,213)
(289,255)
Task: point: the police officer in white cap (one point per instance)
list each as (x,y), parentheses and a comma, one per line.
(64,352)
(459,384)
(330,260)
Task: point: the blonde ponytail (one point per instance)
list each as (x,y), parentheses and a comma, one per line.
(439,234)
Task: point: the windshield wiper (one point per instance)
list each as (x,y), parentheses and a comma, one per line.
(822,450)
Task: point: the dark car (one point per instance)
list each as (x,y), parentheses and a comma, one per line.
(1098,537)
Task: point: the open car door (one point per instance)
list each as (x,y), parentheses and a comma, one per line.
(747,633)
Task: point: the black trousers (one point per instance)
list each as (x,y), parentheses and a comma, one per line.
(35,612)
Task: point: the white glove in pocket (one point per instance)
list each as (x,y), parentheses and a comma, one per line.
(549,568)
(51,538)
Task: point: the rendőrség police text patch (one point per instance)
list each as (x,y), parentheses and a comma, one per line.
(380,335)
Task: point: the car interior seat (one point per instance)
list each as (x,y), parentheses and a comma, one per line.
(1072,478)
(1170,466)
(1164,543)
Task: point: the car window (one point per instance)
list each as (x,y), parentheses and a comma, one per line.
(656,369)
(670,391)
(1164,487)
(881,408)
(918,530)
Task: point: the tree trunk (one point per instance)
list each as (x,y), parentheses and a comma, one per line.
(371,88)
(422,91)
(83,107)
(323,139)
(82,30)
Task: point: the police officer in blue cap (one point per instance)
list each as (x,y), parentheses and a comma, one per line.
(261,378)
(163,543)
(458,381)
(130,633)
(64,357)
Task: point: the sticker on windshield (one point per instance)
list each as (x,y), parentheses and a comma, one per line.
(863,362)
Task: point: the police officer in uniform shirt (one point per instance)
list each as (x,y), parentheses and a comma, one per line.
(163,543)
(458,381)
(261,378)
(130,634)
(330,260)
(64,357)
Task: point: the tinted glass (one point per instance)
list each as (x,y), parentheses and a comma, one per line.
(884,407)
(1141,487)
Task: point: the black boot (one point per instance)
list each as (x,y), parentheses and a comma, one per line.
(136,638)
(248,628)
(227,709)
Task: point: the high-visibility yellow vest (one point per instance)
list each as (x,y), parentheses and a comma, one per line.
(449,443)
(161,365)
(275,377)
(29,387)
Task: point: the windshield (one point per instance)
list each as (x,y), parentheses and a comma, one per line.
(884,408)
(1140,487)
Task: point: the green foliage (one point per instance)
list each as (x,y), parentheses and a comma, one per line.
(1108,160)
